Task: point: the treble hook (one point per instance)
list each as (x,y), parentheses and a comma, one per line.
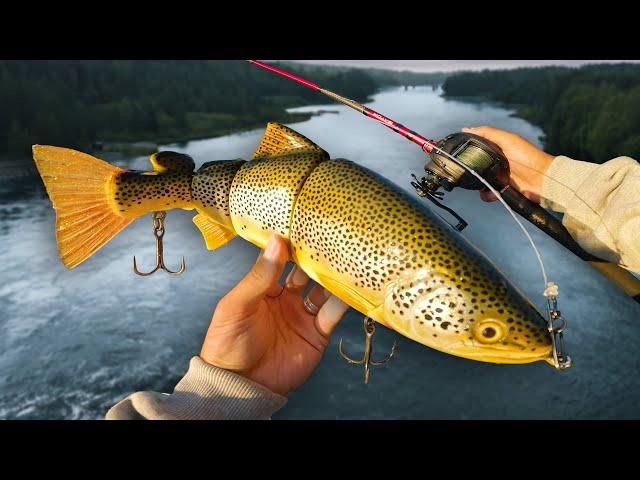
(369,330)
(158,232)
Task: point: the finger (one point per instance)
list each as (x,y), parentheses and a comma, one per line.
(263,277)
(490,133)
(297,279)
(487,132)
(483,130)
(330,315)
(319,295)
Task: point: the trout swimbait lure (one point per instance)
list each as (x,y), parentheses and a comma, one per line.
(351,230)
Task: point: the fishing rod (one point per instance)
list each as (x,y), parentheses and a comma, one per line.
(472,162)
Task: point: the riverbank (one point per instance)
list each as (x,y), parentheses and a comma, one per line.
(518,110)
(147,144)
(201,126)
(81,103)
(131,145)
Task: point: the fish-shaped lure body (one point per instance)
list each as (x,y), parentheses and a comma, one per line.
(360,236)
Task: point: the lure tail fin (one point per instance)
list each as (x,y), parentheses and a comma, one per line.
(79,188)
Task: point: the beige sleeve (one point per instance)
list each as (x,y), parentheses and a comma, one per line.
(601,206)
(204,393)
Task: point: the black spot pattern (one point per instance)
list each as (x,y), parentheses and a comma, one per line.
(384,243)
(210,188)
(136,193)
(342,218)
(264,191)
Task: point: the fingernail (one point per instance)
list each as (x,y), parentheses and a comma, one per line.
(326,293)
(297,277)
(271,250)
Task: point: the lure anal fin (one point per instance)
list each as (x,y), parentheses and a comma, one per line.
(215,235)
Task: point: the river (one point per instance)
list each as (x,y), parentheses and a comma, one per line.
(73,343)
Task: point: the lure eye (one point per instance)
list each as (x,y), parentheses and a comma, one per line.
(489,331)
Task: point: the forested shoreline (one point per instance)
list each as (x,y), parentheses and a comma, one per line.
(77,103)
(590,113)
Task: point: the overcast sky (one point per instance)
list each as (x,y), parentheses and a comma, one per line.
(449,65)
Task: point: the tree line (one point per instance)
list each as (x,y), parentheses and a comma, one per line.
(77,103)
(590,113)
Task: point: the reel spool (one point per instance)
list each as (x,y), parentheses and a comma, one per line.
(476,152)
(480,154)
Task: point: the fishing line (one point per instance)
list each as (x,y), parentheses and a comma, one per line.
(509,209)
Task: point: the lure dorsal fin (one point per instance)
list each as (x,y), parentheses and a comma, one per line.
(215,235)
(281,140)
(171,161)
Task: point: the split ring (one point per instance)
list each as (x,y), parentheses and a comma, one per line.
(309,306)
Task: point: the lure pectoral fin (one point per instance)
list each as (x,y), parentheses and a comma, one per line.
(346,293)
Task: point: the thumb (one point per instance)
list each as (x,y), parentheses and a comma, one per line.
(496,135)
(263,277)
(484,131)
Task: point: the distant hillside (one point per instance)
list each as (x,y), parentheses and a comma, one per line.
(381,76)
(590,113)
(76,103)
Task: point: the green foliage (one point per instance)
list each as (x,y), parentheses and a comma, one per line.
(76,103)
(379,75)
(591,113)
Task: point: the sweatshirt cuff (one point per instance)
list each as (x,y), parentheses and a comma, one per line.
(211,393)
(562,180)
